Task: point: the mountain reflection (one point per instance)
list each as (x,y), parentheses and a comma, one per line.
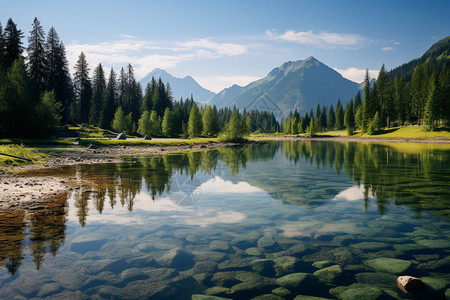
(413,175)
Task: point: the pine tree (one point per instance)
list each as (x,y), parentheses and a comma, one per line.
(83,89)
(98,96)
(417,92)
(147,100)
(58,75)
(168,123)
(195,122)
(366,111)
(339,116)
(331,120)
(37,61)
(210,122)
(109,101)
(2,49)
(13,44)
(233,131)
(349,117)
(155,124)
(384,96)
(323,118)
(399,98)
(432,108)
(444,81)
(358,101)
(144,124)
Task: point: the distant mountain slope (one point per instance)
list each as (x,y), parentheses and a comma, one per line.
(437,55)
(181,87)
(297,85)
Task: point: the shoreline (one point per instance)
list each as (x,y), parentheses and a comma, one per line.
(29,186)
(349,139)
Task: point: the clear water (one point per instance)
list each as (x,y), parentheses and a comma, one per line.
(235,222)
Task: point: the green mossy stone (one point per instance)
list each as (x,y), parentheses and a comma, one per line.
(297,281)
(434,244)
(359,292)
(370,246)
(268,297)
(322,264)
(328,274)
(281,291)
(389,265)
(217,291)
(379,279)
(206,297)
(304,297)
(447,294)
(438,284)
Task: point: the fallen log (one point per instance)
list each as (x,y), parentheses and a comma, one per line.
(14,156)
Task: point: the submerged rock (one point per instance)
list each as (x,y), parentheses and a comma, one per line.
(438,284)
(389,265)
(358,292)
(281,291)
(206,297)
(328,274)
(263,267)
(297,281)
(322,264)
(176,258)
(285,265)
(409,284)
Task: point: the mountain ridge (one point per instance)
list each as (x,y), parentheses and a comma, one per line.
(181,87)
(300,85)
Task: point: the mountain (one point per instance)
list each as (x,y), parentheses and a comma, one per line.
(436,56)
(294,85)
(181,87)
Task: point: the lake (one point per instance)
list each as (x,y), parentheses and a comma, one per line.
(282,219)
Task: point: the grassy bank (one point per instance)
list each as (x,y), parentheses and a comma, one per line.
(21,151)
(407,132)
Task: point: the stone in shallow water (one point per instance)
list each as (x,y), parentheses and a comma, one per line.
(409,284)
(206,297)
(434,244)
(268,297)
(83,245)
(370,246)
(254,286)
(49,289)
(217,291)
(328,274)
(322,264)
(438,284)
(179,289)
(389,265)
(281,291)
(436,265)
(176,258)
(358,292)
(217,245)
(305,297)
(263,267)
(235,264)
(267,243)
(225,279)
(408,247)
(297,281)
(378,279)
(208,256)
(253,251)
(285,265)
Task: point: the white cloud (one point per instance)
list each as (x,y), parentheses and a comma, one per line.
(353,193)
(355,74)
(147,55)
(387,48)
(322,39)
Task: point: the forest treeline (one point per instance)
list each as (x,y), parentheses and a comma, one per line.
(423,100)
(37,92)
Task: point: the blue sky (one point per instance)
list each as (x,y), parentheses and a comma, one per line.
(224,42)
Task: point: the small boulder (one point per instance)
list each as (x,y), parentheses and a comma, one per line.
(389,265)
(409,284)
(121,136)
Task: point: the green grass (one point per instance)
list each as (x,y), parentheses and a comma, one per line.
(22,151)
(407,132)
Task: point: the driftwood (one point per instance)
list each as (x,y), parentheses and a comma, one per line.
(14,156)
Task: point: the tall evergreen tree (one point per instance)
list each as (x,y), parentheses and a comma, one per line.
(210,122)
(331,120)
(432,107)
(83,89)
(339,116)
(195,122)
(168,127)
(323,117)
(444,80)
(13,43)
(367,107)
(385,102)
(147,100)
(109,101)
(37,60)
(418,92)
(358,101)
(400,99)
(2,49)
(98,96)
(349,117)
